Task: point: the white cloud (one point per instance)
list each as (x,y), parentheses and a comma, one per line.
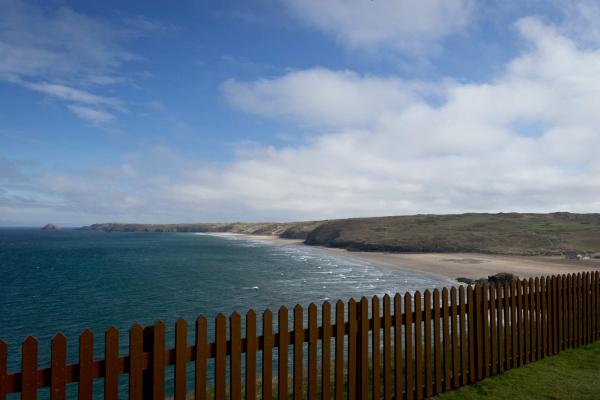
(68,93)
(405,26)
(525,140)
(58,44)
(95,117)
(321,96)
(581,20)
(65,54)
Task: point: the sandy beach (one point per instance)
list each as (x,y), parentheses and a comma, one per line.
(454,265)
(269,238)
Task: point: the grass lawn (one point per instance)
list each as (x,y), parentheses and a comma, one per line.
(573,374)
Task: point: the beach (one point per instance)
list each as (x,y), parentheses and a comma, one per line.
(268,238)
(454,265)
(475,266)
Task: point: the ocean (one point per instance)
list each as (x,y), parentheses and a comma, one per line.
(70,280)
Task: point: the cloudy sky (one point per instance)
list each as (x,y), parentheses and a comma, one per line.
(296,109)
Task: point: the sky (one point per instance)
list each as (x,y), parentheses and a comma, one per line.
(282,110)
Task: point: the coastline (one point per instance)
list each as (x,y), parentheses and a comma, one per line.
(267,238)
(476,266)
(452,265)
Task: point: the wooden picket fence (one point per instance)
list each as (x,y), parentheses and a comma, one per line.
(405,347)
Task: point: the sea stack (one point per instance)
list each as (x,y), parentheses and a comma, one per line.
(50,227)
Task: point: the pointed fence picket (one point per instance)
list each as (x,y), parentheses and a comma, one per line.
(411,346)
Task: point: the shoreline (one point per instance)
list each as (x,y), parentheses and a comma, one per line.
(477,266)
(451,265)
(266,238)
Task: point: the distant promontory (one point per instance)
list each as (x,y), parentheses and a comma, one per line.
(559,233)
(50,227)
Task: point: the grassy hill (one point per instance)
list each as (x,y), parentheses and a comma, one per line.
(523,234)
(504,233)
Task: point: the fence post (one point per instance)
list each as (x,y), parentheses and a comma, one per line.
(298,352)
(399,376)
(282,353)
(3,368)
(29,366)
(111,364)
(363,349)
(596,300)
(147,375)
(471,331)
(437,344)
(352,353)
(251,346)
(479,344)
(408,347)
(235,356)
(339,350)
(180,359)
(267,356)
(201,358)
(375,349)
(86,360)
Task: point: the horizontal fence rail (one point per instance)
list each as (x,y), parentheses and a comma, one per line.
(401,347)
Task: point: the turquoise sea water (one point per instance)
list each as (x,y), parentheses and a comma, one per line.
(69,280)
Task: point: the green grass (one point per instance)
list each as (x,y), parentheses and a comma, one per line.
(573,374)
(512,233)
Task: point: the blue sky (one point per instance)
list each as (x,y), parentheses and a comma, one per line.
(285,110)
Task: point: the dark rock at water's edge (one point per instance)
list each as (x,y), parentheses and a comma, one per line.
(501,278)
(50,227)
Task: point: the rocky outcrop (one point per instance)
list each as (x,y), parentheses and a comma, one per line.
(501,278)
(50,227)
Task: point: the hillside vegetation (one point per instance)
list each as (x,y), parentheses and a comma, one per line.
(523,234)
(504,233)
